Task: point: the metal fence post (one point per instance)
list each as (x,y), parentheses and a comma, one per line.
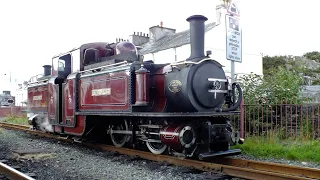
(242,119)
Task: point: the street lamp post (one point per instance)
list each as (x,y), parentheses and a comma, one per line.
(9,76)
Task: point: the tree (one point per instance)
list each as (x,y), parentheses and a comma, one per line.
(314,55)
(270,63)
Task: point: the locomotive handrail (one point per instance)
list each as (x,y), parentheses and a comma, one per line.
(37,83)
(68,52)
(42,82)
(109,65)
(190,62)
(35,76)
(121,67)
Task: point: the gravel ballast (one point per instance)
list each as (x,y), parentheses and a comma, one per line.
(71,161)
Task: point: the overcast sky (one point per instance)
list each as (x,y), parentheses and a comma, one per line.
(33,31)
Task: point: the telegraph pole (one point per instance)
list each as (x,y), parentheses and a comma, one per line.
(9,76)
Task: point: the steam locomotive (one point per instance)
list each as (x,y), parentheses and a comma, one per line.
(176,108)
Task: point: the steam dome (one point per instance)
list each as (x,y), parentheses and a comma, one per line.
(126,47)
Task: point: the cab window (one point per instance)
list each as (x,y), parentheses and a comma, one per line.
(61,65)
(64,65)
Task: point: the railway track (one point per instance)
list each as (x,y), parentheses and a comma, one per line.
(12,173)
(241,168)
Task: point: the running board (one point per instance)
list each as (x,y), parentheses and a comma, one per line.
(220,153)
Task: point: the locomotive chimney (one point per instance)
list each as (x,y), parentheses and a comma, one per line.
(47,70)
(197,30)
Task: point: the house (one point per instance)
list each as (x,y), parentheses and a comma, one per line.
(21,95)
(164,45)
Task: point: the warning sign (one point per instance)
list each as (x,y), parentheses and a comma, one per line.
(233,39)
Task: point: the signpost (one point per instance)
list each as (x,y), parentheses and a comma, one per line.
(233,9)
(233,37)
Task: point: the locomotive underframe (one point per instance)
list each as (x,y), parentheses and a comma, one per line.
(191,137)
(186,135)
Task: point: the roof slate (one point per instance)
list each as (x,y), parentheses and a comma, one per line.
(171,41)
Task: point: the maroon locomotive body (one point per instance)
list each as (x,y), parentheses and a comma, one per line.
(107,89)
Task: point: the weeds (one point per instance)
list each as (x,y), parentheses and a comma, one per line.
(14,119)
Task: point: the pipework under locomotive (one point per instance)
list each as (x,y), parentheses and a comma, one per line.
(176,108)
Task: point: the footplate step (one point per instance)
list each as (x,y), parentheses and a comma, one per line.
(220,153)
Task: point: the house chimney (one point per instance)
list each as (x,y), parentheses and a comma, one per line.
(138,38)
(197,31)
(47,70)
(157,32)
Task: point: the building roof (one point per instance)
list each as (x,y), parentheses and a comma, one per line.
(171,41)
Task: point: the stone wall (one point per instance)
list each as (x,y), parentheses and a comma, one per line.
(16,110)
(312,92)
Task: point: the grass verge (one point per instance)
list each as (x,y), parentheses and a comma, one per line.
(272,147)
(16,119)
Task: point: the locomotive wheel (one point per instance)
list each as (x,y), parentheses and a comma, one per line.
(156,148)
(119,140)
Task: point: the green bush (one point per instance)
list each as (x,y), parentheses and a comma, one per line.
(279,87)
(272,98)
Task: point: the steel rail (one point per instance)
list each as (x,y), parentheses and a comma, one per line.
(270,166)
(200,165)
(234,167)
(12,173)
